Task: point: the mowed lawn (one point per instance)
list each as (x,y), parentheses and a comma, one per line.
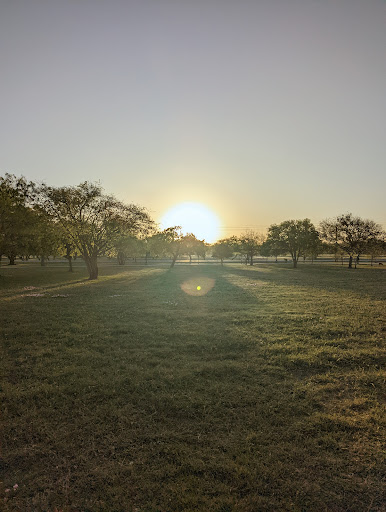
(261,391)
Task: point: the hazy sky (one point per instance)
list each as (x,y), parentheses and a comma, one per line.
(263,110)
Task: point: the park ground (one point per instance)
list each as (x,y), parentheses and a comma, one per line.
(261,390)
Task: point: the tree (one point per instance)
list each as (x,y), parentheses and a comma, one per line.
(167,242)
(293,236)
(173,240)
(201,249)
(191,245)
(376,247)
(70,254)
(272,247)
(16,216)
(249,244)
(313,249)
(91,220)
(222,250)
(127,246)
(156,245)
(47,236)
(351,234)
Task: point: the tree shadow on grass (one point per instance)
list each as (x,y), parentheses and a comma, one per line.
(168,391)
(129,275)
(361,281)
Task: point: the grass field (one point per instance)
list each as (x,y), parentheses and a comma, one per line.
(262,391)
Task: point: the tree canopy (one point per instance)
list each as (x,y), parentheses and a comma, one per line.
(46,221)
(352,235)
(93,221)
(222,249)
(293,236)
(16,216)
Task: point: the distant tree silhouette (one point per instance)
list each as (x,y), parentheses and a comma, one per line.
(295,237)
(222,249)
(173,242)
(47,236)
(352,235)
(272,247)
(191,245)
(249,243)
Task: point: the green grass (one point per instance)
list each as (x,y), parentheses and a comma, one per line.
(260,392)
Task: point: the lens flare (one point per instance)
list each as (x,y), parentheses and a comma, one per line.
(198,290)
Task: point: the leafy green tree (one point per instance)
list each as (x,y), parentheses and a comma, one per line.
(273,247)
(294,237)
(157,245)
(47,236)
(91,220)
(191,245)
(173,242)
(16,216)
(313,249)
(222,250)
(127,246)
(376,247)
(351,234)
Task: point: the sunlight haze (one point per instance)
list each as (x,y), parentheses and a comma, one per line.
(193,218)
(265,110)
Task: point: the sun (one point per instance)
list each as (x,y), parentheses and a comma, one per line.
(193,218)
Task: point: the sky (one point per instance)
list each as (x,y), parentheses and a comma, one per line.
(261,110)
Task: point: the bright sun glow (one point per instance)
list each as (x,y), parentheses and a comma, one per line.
(193,218)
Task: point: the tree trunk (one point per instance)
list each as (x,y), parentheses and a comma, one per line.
(11,258)
(92,266)
(121,258)
(295,262)
(251,261)
(350,262)
(42,261)
(190,258)
(222,264)
(70,263)
(174,260)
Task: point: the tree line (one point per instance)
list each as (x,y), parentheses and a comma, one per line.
(43,221)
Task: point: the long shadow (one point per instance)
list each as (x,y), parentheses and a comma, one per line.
(361,281)
(124,276)
(180,378)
